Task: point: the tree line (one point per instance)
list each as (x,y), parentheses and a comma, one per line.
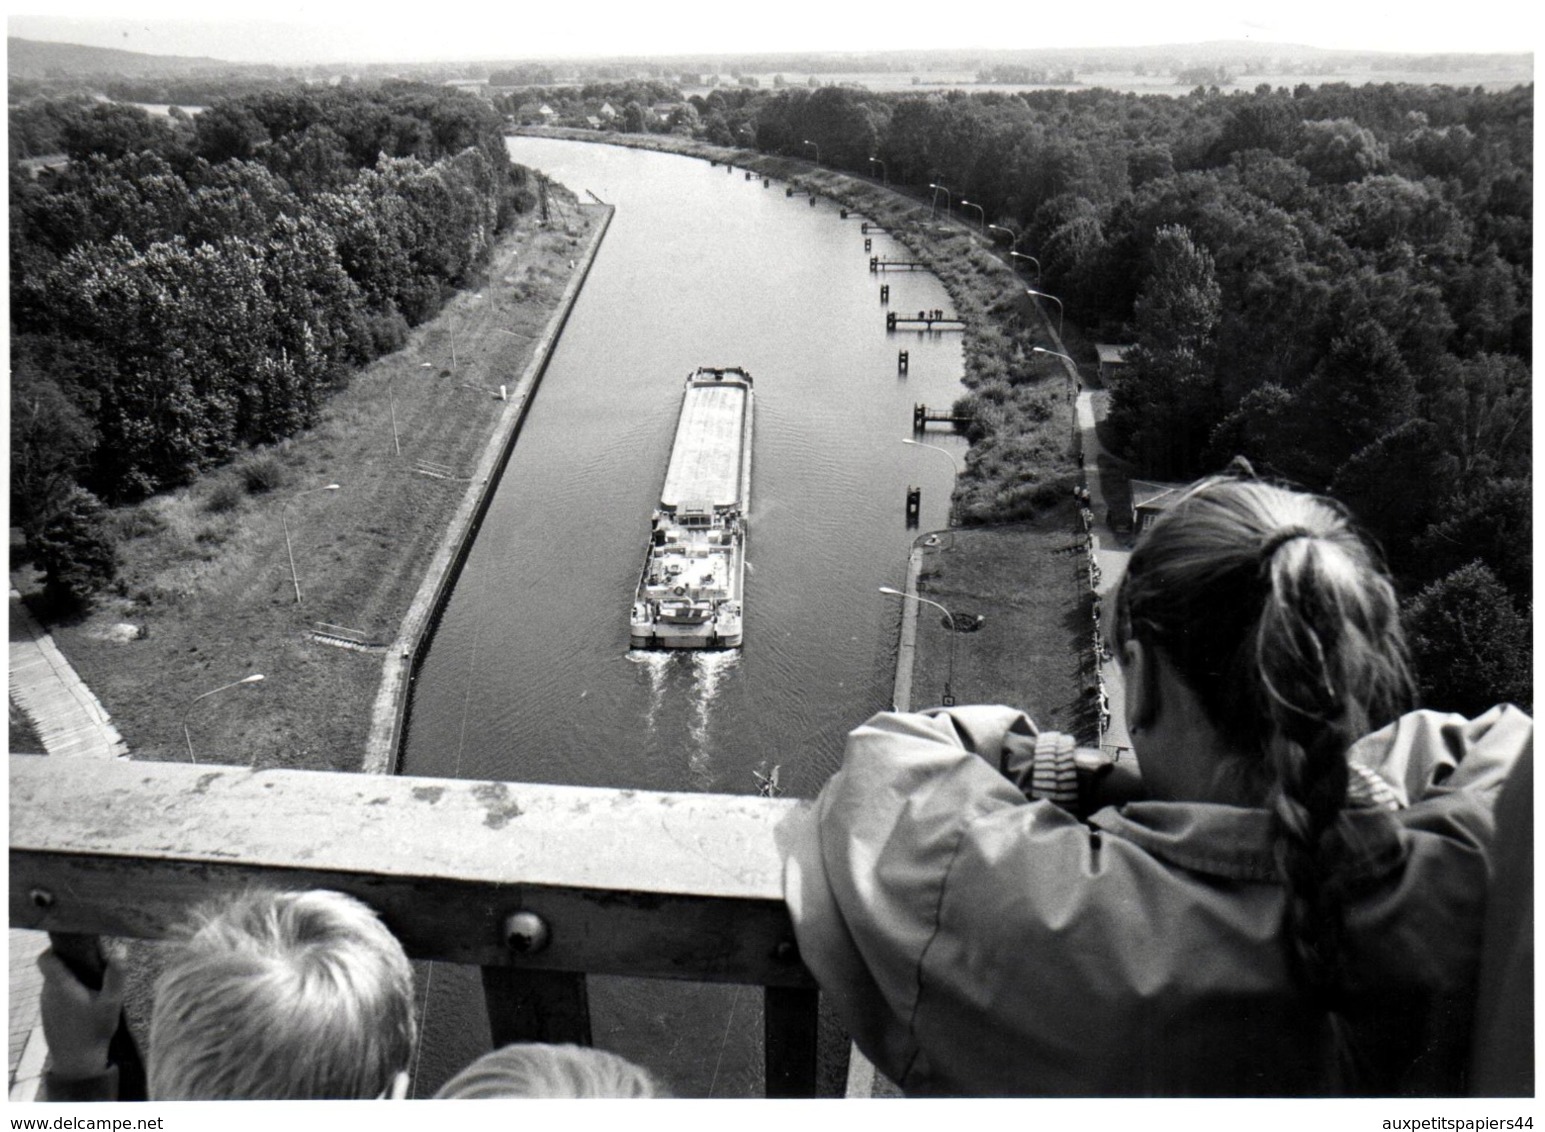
(1335,282)
(189,286)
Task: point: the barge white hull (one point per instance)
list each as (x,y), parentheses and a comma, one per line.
(691,590)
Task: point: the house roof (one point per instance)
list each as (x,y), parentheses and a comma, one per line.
(1155,496)
(1111,354)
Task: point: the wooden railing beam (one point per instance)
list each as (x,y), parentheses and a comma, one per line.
(540,886)
(653,885)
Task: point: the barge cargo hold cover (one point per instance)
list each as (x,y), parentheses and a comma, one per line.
(690,594)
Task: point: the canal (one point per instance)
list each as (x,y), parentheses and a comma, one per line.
(529,676)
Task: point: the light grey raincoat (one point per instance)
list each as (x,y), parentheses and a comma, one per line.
(978,943)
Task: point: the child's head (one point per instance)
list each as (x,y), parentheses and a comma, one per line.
(536,1070)
(1278,618)
(282,995)
(1275,613)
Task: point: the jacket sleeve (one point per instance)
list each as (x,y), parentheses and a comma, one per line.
(868,862)
(1427,755)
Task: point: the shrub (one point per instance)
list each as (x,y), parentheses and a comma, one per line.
(137,522)
(386,332)
(1472,647)
(76,550)
(226,496)
(263,474)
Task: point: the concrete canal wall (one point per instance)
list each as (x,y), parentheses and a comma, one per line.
(405,653)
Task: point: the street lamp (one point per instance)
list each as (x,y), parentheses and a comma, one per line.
(949,679)
(1072,373)
(187,738)
(1013,238)
(980,211)
(954,465)
(885,177)
(934,203)
(1053,353)
(1053,298)
(391,396)
(1032,259)
(817,149)
(284,522)
(450,320)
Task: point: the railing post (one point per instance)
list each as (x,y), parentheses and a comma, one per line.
(536,1006)
(789,1025)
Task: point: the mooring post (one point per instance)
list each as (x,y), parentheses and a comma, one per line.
(914,506)
(748,174)
(874,263)
(812,200)
(919,417)
(789,191)
(868,244)
(844,214)
(766,182)
(890,321)
(901,361)
(885,292)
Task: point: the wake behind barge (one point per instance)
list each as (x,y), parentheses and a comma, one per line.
(691,592)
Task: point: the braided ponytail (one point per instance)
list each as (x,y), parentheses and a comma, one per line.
(1282,621)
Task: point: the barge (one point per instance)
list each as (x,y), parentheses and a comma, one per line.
(691,591)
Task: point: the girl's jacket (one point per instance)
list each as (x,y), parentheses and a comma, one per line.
(978,943)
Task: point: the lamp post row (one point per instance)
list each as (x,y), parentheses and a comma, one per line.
(948,699)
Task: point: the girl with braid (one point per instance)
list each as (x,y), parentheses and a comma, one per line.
(1291,904)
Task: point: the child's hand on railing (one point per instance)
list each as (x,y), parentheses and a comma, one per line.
(79,1022)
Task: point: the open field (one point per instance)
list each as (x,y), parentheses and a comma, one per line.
(207,595)
(1025,580)
(1490,76)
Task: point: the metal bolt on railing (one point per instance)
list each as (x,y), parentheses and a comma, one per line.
(525,932)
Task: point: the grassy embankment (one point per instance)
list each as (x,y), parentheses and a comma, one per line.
(1013,561)
(1025,581)
(206,577)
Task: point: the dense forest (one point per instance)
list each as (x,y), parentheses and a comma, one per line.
(1333,281)
(187,286)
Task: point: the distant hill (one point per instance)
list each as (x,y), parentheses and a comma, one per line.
(35,60)
(1095,56)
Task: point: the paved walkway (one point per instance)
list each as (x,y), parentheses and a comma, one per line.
(1112,557)
(73,724)
(70,719)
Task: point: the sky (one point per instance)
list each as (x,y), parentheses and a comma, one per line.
(284,31)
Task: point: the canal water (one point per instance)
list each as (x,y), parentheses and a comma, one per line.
(529,676)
